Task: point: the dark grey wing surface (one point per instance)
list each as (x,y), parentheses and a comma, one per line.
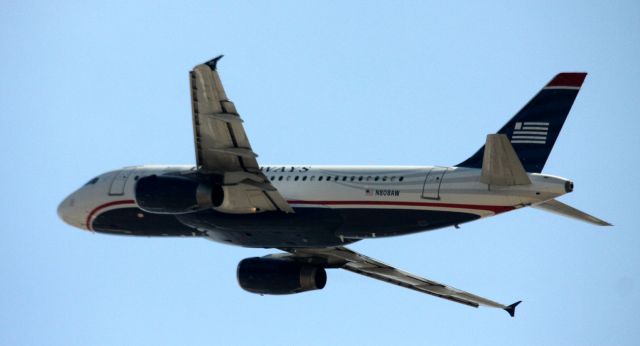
(342,257)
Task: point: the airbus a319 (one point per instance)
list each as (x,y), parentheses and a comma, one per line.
(310,213)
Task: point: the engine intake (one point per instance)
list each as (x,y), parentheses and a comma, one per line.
(279,276)
(176,194)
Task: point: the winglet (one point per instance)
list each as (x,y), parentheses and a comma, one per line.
(213,62)
(511,309)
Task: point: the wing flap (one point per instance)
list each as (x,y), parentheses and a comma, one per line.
(226,117)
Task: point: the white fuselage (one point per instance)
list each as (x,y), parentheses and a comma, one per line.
(446,189)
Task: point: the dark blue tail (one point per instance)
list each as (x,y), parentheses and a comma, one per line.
(534,130)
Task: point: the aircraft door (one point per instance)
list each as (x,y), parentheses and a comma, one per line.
(119,182)
(431,187)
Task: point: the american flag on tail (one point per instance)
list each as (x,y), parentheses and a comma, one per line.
(530,132)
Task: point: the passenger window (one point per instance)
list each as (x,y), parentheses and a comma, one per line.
(296,178)
(344,178)
(273,178)
(280,178)
(384,178)
(360,178)
(304,178)
(401,179)
(320,178)
(376,179)
(353,178)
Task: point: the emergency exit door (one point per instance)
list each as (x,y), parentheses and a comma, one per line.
(431,188)
(119,182)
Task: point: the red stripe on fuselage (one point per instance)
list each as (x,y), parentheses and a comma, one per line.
(493,208)
(106,205)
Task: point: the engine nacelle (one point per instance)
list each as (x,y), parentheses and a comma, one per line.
(279,276)
(167,194)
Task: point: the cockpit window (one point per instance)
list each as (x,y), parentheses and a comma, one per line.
(92,181)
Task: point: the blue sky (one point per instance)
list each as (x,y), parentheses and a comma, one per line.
(89,87)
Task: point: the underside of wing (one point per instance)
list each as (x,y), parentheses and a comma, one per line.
(342,257)
(220,140)
(222,146)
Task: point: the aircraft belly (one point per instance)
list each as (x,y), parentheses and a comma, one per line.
(307,227)
(319,227)
(371,223)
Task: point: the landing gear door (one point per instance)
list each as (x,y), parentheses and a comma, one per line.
(431,188)
(119,182)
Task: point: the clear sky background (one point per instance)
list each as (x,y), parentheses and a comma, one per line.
(90,87)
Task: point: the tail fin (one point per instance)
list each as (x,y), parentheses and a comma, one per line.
(534,129)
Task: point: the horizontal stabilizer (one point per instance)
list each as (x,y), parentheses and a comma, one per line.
(500,164)
(558,207)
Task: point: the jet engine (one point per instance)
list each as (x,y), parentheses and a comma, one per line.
(167,194)
(279,276)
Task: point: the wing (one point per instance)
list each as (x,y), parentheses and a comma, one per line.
(222,146)
(342,257)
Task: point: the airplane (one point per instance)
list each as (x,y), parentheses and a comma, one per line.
(310,212)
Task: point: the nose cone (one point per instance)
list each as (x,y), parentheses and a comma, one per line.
(63,209)
(69,213)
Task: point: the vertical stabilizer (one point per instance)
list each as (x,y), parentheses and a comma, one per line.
(534,129)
